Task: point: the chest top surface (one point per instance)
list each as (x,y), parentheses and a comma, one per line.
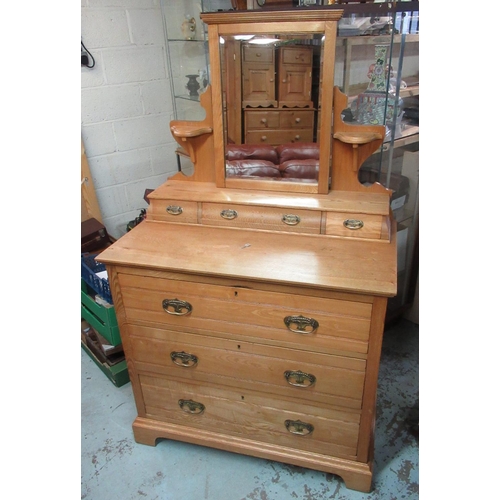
(341,264)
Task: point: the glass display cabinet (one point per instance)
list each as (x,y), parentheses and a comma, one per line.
(187,46)
(187,59)
(377,67)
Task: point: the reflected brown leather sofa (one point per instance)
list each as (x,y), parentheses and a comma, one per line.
(286,161)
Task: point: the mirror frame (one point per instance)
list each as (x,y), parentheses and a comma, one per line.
(304,21)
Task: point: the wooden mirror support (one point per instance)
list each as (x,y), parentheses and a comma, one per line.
(352,145)
(196,138)
(341,150)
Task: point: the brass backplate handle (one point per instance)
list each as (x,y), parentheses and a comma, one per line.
(290,219)
(190,406)
(177,307)
(174,210)
(301,324)
(298,428)
(184,359)
(229,214)
(299,378)
(353,224)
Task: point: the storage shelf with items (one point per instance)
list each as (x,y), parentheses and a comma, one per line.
(377,67)
(187,59)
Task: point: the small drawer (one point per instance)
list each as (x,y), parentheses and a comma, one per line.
(173,211)
(293,55)
(258,54)
(253,415)
(262,119)
(280,219)
(297,119)
(357,225)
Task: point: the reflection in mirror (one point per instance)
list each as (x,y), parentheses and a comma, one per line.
(272,105)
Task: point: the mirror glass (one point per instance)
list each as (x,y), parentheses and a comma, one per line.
(271,105)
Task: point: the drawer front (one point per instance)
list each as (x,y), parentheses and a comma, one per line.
(295,55)
(262,120)
(297,119)
(328,325)
(251,415)
(285,372)
(258,54)
(276,137)
(355,225)
(289,220)
(174,211)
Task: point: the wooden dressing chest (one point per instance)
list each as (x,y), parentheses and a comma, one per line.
(252,310)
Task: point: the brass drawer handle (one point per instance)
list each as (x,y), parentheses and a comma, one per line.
(229,214)
(290,219)
(353,224)
(184,359)
(174,210)
(297,378)
(177,307)
(298,428)
(301,324)
(190,406)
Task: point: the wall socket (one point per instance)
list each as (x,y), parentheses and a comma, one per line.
(85,58)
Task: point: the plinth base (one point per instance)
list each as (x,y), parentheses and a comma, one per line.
(356,475)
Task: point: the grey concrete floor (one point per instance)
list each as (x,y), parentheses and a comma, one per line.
(114,466)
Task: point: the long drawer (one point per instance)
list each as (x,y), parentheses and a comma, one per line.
(278,136)
(250,414)
(278,119)
(296,321)
(319,378)
(292,220)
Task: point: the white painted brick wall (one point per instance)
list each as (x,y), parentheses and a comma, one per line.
(126,105)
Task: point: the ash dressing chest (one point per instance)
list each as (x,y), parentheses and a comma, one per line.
(251,308)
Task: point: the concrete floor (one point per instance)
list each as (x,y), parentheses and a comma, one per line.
(114,466)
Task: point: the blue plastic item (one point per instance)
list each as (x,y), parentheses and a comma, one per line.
(90,268)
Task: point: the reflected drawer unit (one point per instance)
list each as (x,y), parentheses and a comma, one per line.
(278,126)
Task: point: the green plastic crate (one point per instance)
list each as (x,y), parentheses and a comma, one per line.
(102,319)
(118,374)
